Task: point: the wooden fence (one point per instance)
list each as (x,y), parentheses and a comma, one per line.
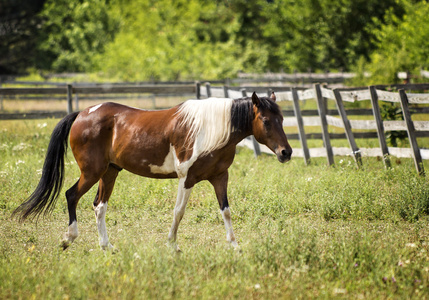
(309,78)
(375,127)
(340,118)
(71,94)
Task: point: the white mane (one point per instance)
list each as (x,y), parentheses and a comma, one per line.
(209,123)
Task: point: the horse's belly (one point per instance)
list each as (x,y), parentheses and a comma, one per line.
(145,165)
(168,166)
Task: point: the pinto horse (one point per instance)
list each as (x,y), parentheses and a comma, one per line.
(193,141)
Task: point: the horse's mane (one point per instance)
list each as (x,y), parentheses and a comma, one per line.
(210,122)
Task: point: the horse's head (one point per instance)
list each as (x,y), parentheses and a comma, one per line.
(267,126)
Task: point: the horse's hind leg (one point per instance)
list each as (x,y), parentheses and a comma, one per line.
(105,189)
(73,196)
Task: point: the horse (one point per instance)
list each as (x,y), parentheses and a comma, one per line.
(193,141)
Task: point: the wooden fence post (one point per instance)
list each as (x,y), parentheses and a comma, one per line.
(347,128)
(225,91)
(153,101)
(301,131)
(69,99)
(324,122)
(209,91)
(380,126)
(197,89)
(411,132)
(76,101)
(244,93)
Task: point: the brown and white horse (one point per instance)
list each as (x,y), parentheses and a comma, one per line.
(193,141)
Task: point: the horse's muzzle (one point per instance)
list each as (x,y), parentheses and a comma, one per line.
(284,155)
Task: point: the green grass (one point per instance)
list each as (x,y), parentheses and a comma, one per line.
(304,232)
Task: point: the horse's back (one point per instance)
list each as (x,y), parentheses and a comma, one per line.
(131,138)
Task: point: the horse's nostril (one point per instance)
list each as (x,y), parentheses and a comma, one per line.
(286,153)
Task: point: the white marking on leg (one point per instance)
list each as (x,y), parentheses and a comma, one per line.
(226,214)
(179,210)
(94,108)
(72,232)
(100,215)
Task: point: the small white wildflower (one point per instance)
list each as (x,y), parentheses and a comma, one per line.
(411,245)
(20,147)
(257,286)
(136,256)
(309,179)
(340,291)
(43,125)
(19,162)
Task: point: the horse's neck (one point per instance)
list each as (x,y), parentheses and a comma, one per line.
(238,136)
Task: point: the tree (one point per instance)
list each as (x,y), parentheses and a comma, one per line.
(170,40)
(19,23)
(73,32)
(323,34)
(402,44)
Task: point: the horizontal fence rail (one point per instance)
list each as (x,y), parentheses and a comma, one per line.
(322,117)
(101,91)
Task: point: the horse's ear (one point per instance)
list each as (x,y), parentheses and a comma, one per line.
(273,97)
(255,99)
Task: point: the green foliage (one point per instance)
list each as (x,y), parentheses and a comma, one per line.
(199,39)
(402,44)
(322,34)
(72,32)
(392,111)
(19,22)
(168,40)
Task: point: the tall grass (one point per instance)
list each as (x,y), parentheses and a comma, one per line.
(304,232)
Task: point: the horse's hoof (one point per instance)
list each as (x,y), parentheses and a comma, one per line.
(109,247)
(235,246)
(174,247)
(65,244)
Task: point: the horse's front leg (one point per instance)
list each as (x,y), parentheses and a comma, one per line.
(220,184)
(179,210)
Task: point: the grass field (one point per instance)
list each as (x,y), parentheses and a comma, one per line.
(304,232)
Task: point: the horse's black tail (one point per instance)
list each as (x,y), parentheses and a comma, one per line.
(44,197)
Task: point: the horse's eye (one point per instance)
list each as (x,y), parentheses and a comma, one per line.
(266,122)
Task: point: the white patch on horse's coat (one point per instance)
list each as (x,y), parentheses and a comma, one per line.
(173,164)
(100,215)
(182,167)
(209,121)
(94,108)
(226,214)
(168,166)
